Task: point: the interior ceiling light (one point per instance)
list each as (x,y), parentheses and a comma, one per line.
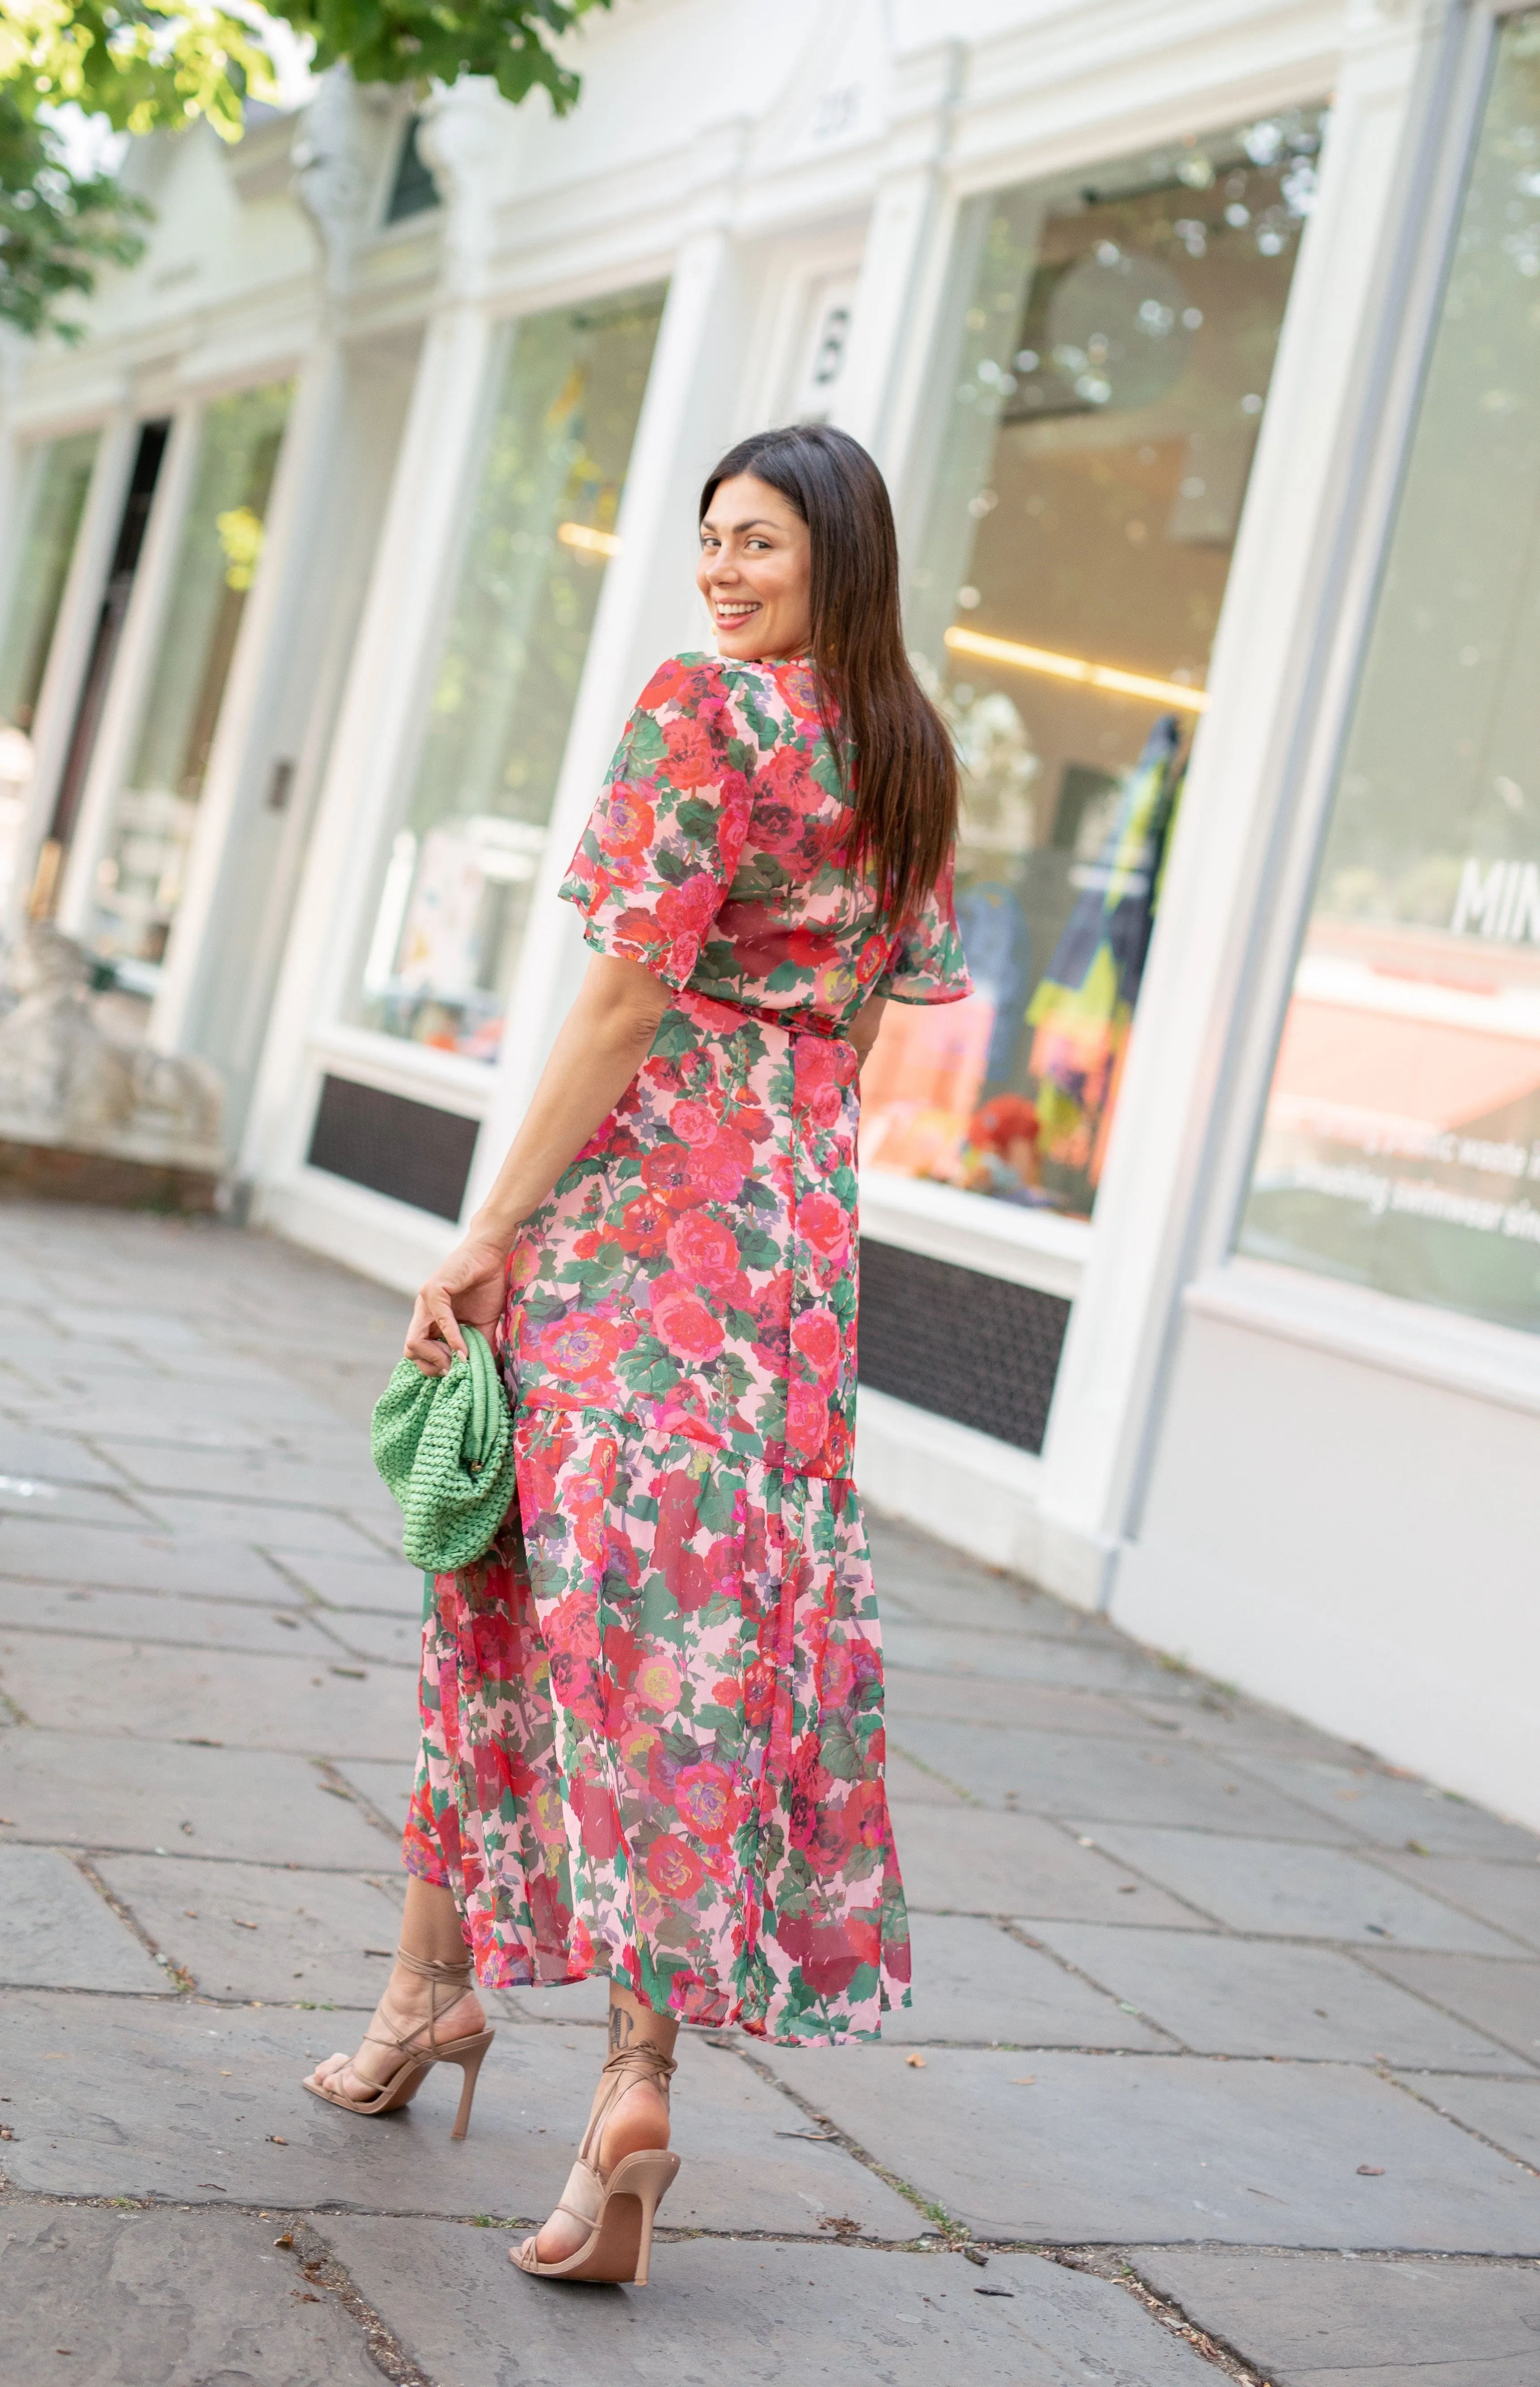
(590,542)
(1038,659)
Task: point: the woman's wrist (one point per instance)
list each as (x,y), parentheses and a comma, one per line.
(497,1226)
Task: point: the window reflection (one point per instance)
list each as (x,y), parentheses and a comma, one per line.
(447,923)
(1094,433)
(55,480)
(1402,1142)
(140,876)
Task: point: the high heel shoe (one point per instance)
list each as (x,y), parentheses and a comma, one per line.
(417,2063)
(616,2209)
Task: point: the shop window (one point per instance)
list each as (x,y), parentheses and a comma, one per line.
(1401,1147)
(139,879)
(1092,439)
(54,479)
(455,880)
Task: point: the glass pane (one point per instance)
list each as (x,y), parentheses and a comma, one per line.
(1402,1141)
(1097,413)
(140,876)
(53,500)
(455,883)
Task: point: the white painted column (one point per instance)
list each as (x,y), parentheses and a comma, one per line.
(470,133)
(909,226)
(308,437)
(1283,590)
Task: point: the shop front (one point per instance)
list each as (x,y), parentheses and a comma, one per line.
(1194,350)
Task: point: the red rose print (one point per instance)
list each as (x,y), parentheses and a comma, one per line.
(583,1346)
(681,1319)
(629,818)
(706,1800)
(597,1818)
(817,1335)
(806,1420)
(684,910)
(673,1868)
(690,760)
(666,1172)
(836,1676)
(703,1249)
(825,1224)
(693,1122)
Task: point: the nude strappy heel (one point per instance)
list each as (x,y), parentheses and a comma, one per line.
(617,2210)
(418,2062)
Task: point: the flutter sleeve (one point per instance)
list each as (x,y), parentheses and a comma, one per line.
(657,856)
(927,964)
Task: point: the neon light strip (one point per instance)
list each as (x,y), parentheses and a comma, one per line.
(592,542)
(1038,659)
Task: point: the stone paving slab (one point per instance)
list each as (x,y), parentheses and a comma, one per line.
(299,1704)
(381,1641)
(386,1784)
(69,1503)
(262,1522)
(377,1581)
(1507,1896)
(313,1932)
(921,1579)
(1506,2112)
(55,1930)
(1321,2321)
(1306,1893)
(1028,1707)
(1499,1996)
(203,1565)
(56,1458)
(1192,1710)
(779,2316)
(265,1476)
(105,2299)
(975,1985)
(1391,1812)
(971,1861)
(175,1623)
(78,1790)
(1252,1997)
(188,2102)
(941,1650)
(1109,1781)
(1114,2149)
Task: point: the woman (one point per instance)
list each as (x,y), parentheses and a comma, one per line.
(653,1717)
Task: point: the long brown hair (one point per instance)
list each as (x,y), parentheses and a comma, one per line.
(904,787)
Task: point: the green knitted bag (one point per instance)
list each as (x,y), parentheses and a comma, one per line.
(444,1447)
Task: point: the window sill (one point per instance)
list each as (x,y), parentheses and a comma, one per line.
(398,1067)
(1033,1247)
(1378,1330)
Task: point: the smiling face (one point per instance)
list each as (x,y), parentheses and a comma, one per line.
(756,570)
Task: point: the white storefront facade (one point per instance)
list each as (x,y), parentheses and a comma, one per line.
(1199,344)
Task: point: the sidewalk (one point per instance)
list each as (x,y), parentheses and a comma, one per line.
(1231,2037)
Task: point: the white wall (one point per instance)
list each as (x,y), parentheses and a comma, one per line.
(1354,1543)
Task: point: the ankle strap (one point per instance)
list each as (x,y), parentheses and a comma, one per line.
(645,2059)
(434,1968)
(647,2055)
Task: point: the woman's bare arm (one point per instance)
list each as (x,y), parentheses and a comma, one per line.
(602,1042)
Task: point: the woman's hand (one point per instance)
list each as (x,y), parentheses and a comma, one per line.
(468,1286)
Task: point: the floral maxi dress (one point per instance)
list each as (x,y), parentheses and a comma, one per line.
(652,1740)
